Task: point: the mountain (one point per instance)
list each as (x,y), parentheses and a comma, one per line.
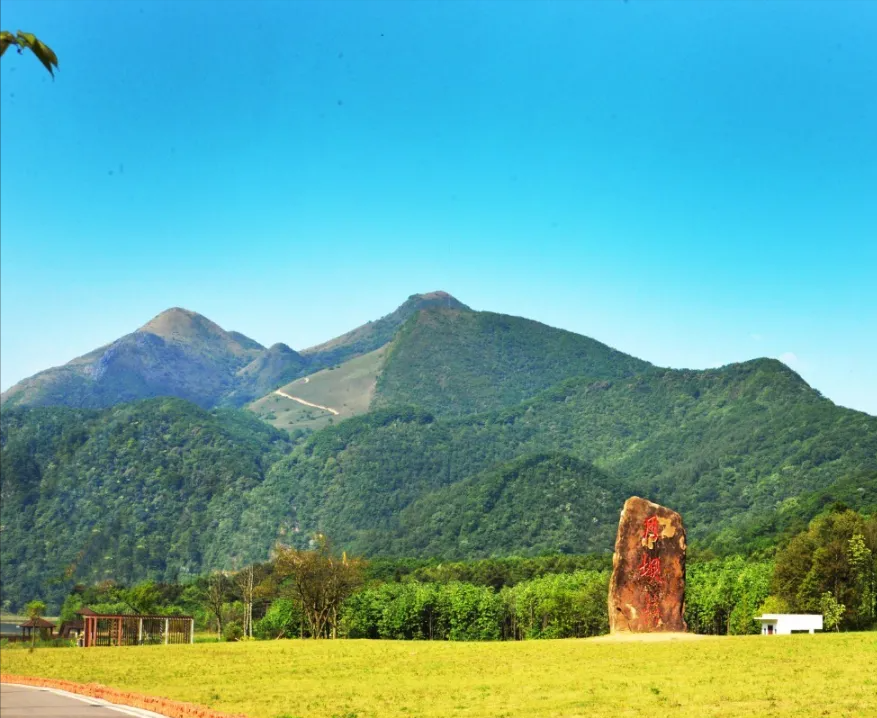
(143,489)
(178,353)
(453,362)
(547,503)
(163,489)
(374,335)
(725,447)
(464,434)
(445,358)
(183,354)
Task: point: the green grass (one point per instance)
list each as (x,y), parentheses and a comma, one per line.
(801,676)
(348,389)
(283,413)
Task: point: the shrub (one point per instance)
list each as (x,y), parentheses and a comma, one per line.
(282,620)
(233,631)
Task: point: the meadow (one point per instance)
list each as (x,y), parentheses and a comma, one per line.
(348,388)
(720,677)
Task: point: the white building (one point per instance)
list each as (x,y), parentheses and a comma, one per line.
(785,623)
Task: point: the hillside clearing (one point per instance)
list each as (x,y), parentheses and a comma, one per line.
(831,675)
(312,401)
(332,411)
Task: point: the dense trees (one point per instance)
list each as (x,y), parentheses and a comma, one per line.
(454,362)
(318,583)
(728,448)
(317,593)
(161,489)
(139,491)
(723,596)
(831,567)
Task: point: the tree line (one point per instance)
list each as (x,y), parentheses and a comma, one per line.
(829,568)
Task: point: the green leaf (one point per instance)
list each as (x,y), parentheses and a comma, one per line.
(6,39)
(43,52)
(45,55)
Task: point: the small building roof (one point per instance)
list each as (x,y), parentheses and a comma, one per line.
(36,623)
(87,612)
(777,616)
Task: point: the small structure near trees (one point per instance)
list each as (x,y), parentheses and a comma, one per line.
(70,629)
(100,629)
(783,624)
(45,629)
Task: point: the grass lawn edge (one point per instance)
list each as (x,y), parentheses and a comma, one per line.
(163,706)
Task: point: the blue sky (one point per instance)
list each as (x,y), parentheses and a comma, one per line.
(692,183)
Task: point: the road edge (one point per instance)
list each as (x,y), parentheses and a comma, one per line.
(138,704)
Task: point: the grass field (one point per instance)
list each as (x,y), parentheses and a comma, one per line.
(802,676)
(348,389)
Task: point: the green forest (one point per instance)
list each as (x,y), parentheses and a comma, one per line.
(161,489)
(454,362)
(830,567)
(489,436)
(738,451)
(137,491)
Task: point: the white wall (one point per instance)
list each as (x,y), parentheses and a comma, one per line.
(785,623)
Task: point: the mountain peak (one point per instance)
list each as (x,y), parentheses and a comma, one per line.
(430,299)
(373,335)
(181,325)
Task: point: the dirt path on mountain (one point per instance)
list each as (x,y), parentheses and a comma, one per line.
(307,403)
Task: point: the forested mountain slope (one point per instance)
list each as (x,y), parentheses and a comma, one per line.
(140,490)
(488,435)
(544,503)
(163,489)
(453,362)
(721,446)
(450,362)
(374,335)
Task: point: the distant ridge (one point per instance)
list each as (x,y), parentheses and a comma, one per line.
(374,335)
(184,354)
(177,353)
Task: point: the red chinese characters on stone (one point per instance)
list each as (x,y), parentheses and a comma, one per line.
(653,609)
(647,587)
(651,531)
(650,572)
(650,569)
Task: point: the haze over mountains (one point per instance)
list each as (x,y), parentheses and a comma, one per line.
(434,431)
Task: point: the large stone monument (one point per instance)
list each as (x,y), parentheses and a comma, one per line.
(647,589)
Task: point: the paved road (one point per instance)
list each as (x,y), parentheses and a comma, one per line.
(28,702)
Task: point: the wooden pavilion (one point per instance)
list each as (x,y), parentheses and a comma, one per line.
(46,628)
(70,629)
(105,629)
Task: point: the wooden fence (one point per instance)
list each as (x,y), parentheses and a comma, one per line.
(135,630)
